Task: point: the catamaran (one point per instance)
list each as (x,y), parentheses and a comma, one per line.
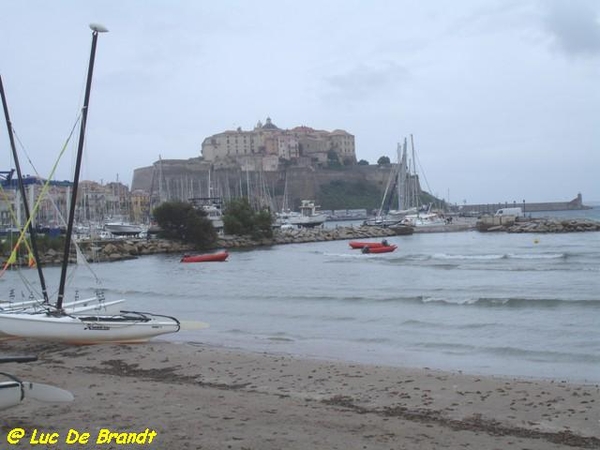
(14,391)
(56,324)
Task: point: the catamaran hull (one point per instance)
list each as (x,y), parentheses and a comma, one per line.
(11,394)
(15,391)
(87,330)
(75,308)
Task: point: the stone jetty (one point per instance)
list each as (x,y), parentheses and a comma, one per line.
(302,235)
(122,249)
(542,225)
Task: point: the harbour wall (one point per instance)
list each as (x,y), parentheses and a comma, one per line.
(491,208)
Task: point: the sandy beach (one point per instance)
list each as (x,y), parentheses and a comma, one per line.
(200,397)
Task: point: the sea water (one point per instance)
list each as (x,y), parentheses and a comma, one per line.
(487,303)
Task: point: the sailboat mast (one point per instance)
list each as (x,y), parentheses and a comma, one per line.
(32,235)
(71,218)
(400,182)
(415,180)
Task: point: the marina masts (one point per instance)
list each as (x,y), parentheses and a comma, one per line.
(63,274)
(30,227)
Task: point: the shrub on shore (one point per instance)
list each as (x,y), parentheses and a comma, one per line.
(182,222)
(241,220)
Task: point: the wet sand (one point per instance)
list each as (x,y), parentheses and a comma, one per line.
(203,397)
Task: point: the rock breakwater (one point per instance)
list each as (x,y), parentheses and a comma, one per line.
(542,226)
(302,235)
(122,249)
(126,249)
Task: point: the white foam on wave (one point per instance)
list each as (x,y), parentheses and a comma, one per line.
(490,256)
(537,255)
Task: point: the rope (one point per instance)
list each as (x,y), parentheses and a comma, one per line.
(61,217)
(39,200)
(13,216)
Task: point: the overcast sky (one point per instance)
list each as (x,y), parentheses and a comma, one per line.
(502,97)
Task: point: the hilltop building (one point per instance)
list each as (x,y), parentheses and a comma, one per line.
(267,146)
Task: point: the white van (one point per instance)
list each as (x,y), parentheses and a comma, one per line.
(517,212)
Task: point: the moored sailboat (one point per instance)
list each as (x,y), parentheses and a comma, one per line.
(411,211)
(308,217)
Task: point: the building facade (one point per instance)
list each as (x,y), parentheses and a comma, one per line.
(267,145)
(95,203)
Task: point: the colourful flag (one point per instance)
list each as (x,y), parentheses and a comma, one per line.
(32,262)
(12,259)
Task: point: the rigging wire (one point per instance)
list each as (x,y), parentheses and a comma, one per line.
(38,202)
(60,215)
(423,173)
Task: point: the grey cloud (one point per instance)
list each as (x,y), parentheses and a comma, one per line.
(574,25)
(364,80)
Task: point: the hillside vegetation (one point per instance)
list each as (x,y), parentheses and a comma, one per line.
(340,194)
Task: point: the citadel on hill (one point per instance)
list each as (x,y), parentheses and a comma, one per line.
(267,147)
(263,164)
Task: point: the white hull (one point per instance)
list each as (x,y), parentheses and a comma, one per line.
(308,216)
(123,229)
(93,329)
(10,394)
(424,220)
(401,214)
(14,391)
(105,308)
(284,219)
(308,221)
(381,221)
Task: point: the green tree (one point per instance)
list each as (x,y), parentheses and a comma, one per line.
(181,221)
(263,224)
(363,162)
(240,219)
(383,161)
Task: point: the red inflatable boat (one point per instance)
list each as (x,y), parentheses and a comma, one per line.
(208,257)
